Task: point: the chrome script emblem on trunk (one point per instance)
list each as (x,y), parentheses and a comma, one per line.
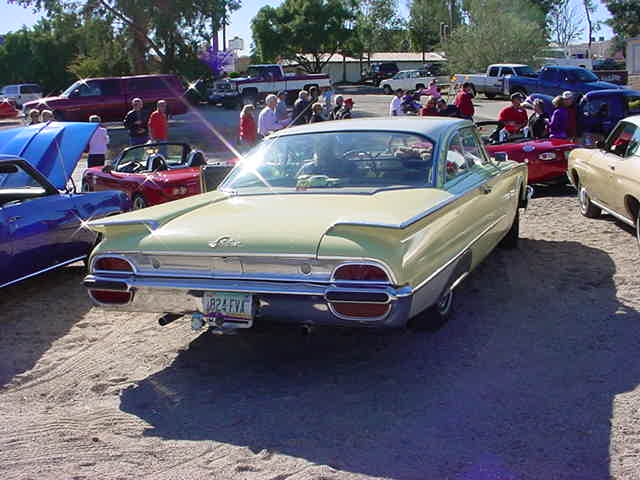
(225,242)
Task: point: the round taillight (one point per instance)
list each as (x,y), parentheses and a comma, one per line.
(113,264)
(111,297)
(360,273)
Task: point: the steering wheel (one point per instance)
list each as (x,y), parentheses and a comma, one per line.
(157,163)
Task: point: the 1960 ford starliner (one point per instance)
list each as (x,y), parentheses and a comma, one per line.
(361,223)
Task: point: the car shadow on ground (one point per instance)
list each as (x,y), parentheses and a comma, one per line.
(518,385)
(34,314)
(553,190)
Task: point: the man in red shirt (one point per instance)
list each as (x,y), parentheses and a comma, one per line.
(513,118)
(159,123)
(464,101)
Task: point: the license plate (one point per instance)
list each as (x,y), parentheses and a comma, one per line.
(236,309)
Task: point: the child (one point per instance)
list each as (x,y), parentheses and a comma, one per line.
(327,95)
(248,127)
(345,111)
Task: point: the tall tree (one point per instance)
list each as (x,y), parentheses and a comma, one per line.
(495,32)
(376,25)
(163,28)
(566,23)
(314,31)
(625,17)
(425,18)
(589,10)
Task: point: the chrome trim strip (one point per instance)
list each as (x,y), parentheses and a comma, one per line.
(214,254)
(620,217)
(151,224)
(457,256)
(58,265)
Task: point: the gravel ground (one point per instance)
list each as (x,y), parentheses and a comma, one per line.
(535,377)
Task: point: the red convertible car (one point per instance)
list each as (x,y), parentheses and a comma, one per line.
(7,109)
(156,173)
(546,158)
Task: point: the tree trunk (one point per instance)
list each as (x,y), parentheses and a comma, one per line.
(587,9)
(138,50)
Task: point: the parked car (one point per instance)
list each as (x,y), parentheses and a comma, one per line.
(21,93)
(261,80)
(407,80)
(379,71)
(366,223)
(609,64)
(600,110)
(42,219)
(491,83)
(111,97)
(554,80)
(155,173)
(7,110)
(545,158)
(608,178)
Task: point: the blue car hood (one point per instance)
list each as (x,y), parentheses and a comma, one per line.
(54,148)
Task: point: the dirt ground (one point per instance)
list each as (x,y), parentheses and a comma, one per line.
(535,377)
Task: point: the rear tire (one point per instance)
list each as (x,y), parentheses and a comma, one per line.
(138,202)
(587,208)
(510,240)
(490,96)
(387,90)
(434,317)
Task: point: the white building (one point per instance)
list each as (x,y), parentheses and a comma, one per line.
(350,69)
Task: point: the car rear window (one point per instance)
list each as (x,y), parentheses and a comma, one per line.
(31,89)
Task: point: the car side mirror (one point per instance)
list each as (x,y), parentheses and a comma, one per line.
(500,157)
(600,144)
(107,168)
(74,93)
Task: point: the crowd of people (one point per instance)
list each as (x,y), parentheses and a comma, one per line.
(311,106)
(406,103)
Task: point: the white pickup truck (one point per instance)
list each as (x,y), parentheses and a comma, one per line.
(410,80)
(492,82)
(261,81)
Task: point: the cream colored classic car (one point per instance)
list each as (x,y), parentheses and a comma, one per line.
(608,178)
(362,223)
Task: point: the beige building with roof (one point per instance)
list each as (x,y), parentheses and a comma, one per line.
(350,69)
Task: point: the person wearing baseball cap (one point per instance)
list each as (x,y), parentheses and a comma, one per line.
(513,118)
(568,98)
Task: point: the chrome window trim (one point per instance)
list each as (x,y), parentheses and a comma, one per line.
(44,270)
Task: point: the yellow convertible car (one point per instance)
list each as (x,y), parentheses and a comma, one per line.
(368,223)
(608,178)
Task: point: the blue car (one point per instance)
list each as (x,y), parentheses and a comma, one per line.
(42,217)
(600,110)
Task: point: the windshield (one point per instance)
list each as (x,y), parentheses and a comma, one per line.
(582,75)
(335,161)
(68,91)
(525,71)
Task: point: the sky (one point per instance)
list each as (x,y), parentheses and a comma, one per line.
(13,17)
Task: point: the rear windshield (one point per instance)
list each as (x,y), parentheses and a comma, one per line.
(31,89)
(338,162)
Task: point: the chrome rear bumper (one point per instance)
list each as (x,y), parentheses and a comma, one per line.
(285,302)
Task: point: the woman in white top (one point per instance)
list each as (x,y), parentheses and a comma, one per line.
(97,145)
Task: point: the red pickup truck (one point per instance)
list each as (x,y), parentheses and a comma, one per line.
(110,98)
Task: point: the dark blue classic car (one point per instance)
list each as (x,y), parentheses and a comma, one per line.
(42,218)
(600,110)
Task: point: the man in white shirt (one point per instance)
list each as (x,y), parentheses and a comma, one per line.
(97,145)
(268,120)
(395,108)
